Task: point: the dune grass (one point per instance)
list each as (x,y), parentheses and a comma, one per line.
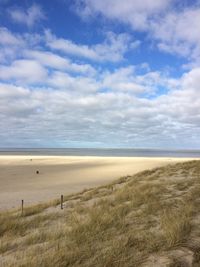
(150,214)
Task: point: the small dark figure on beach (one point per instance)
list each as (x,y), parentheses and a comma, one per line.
(37,172)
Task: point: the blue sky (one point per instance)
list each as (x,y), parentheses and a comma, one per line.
(91,73)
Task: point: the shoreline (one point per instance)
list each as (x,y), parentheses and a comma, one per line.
(103,152)
(64,175)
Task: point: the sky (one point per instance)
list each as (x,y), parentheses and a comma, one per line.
(100,74)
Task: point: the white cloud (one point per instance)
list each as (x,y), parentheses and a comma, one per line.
(174,30)
(77,111)
(25,71)
(10,45)
(77,85)
(178,33)
(123,79)
(57,62)
(14,45)
(127,80)
(8,38)
(112,49)
(21,46)
(191,79)
(77,102)
(29,17)
(137,13)
(110,119)
(9,90)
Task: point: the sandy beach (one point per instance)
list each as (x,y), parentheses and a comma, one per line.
(63,175)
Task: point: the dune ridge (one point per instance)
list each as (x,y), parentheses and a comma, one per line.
(147,219)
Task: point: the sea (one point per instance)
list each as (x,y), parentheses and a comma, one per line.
(103,152)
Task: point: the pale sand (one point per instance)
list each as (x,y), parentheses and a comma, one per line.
(63,175)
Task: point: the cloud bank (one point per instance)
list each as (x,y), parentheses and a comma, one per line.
(55,92)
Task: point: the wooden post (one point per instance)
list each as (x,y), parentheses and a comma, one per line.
(61,202)
(22,207)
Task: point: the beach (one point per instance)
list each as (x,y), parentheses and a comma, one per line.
(64,175)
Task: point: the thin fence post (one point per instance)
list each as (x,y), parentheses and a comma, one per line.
(61,202)
(22,207)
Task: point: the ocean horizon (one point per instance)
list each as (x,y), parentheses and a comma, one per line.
(104,152)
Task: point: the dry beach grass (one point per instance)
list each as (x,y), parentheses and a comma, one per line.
(148,219)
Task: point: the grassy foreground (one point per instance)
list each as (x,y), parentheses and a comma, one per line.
(149,219)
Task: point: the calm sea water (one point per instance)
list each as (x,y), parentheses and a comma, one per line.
(101,152)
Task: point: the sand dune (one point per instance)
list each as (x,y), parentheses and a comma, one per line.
(63,175)
(150,219)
